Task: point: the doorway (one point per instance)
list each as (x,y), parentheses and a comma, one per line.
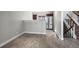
(49,23)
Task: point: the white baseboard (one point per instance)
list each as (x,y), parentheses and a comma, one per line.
(13,38)
(34,32)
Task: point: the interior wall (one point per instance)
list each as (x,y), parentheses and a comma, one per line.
(11,23)
(27,15)
(58,24)
(35,27)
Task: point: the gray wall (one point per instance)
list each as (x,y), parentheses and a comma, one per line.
(11,23)
(35,26)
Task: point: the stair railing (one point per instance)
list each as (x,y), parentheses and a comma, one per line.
(70,23)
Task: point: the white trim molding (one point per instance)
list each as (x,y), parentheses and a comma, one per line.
(13,38)
(34,32)
(62,25)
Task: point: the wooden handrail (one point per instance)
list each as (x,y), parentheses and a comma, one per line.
(71,19)
(76,12)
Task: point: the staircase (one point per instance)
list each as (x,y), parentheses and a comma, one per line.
(77,31)
(69,26)
(77,27)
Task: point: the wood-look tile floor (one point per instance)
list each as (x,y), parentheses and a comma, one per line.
(49,40)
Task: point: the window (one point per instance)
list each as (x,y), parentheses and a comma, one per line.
(34,17)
